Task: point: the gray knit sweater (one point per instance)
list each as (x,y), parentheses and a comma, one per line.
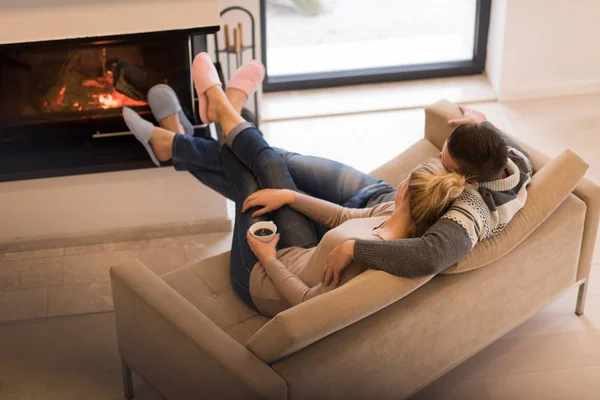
(482,211)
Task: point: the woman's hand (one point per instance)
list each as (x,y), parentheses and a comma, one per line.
(269,200)
(265,252)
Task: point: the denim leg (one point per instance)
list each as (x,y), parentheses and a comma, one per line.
(242,184)
(331,180)
(242,259)
(319,177)
(252,150)
(201,158)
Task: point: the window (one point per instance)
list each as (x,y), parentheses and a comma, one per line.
(321,43)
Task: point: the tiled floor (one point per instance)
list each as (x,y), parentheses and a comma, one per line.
(75,280)
(554,355)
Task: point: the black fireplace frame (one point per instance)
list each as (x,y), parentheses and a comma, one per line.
(41,160)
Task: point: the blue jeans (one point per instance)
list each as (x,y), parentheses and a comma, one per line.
(249,165)
(318,177)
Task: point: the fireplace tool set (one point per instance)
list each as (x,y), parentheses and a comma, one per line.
(235,48)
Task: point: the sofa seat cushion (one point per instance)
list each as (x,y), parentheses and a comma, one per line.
(206,285)
(549,187)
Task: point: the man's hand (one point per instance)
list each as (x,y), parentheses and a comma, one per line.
(470,116)
(336,262)
(269,199)
(265,252)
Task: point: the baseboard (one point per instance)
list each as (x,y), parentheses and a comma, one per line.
(116,235)
(531,93)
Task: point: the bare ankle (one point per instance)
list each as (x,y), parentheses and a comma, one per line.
(172,123)
(162,143)
(237,98)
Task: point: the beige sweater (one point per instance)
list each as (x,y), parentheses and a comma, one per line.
(295,275)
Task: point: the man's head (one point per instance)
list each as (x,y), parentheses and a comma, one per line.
(476,151)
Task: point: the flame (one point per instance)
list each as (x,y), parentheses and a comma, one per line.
(100,94)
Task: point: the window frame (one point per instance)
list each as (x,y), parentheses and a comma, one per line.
(384,74)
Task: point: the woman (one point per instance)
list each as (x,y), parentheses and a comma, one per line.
(272,280)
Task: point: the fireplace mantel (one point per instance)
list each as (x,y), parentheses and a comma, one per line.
(27,21)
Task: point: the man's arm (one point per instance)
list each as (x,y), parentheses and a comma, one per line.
(444,244)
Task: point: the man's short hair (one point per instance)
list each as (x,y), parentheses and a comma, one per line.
(479,150)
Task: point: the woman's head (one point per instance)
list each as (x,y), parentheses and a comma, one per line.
(430,190)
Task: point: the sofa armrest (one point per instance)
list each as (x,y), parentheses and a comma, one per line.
(437,116)
(312,320)
(177,349)
(589,192)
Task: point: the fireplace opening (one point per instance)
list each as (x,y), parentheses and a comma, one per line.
(88,82)
(61,103)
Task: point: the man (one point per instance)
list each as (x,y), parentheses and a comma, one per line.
(498,169)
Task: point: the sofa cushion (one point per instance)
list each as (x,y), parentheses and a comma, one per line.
(548,189)
(206,285)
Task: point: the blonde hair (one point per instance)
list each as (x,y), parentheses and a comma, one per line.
(432,189)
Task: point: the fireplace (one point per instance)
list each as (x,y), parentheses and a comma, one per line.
(61,101)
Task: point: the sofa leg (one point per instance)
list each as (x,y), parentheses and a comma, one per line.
(127,380)
(581,297)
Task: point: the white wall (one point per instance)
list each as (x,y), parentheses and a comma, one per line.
(540,48)
(108,201)
(35,20)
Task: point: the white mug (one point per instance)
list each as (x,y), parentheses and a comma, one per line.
(264,225)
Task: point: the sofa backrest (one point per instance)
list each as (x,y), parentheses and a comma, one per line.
(312,320)
(549,187)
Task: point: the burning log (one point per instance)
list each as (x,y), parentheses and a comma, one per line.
(129,79)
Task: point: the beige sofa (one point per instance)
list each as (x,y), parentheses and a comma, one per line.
(379,336)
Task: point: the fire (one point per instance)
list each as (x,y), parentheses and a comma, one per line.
(98,93)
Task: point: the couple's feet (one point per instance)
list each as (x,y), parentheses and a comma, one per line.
(215,106)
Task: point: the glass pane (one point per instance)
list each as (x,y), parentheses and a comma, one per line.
(315,36)
(56,83)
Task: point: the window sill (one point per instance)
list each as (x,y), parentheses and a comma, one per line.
(373,98)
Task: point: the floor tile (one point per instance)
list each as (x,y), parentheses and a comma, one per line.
(65,358)
(79,299)
(386,96)
(94,267)
(106,247)
(11,380)
(16,396)
(594,284)
(466,389)
(574,383)
(30,273)
(560,317)
(354,140)
(207,247)
(23,304)
(25,255)
(162,259)
(9,278)
(102,391)
(534,353)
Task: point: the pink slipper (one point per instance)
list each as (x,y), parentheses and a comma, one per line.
(205,76)
(248,77)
